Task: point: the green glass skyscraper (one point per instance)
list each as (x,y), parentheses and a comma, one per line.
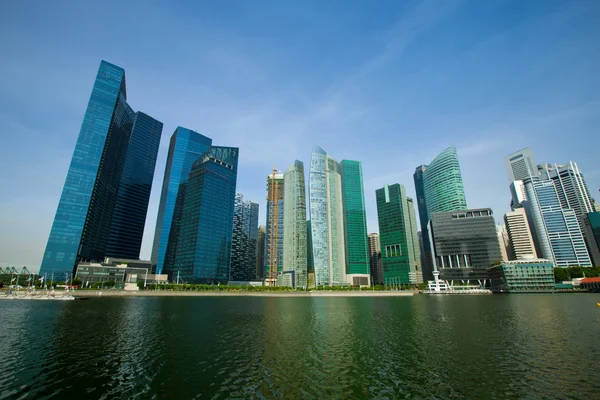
(400,253)
(355,223)
(294,236)
(439,188)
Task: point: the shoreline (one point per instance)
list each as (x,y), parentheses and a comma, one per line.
(166,293)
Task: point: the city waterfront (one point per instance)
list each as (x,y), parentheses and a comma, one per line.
(492,347)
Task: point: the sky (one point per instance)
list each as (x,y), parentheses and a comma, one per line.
(389,83)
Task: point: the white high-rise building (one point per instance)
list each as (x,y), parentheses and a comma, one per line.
(519,235)
(327,219)
(572,191)
(504,242)
(520,165)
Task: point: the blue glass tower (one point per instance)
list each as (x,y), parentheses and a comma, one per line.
(205,234)
(186,146)
(83,220)
(131,207)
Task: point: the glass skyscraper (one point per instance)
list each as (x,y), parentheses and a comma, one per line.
(399,243)
(439,187)
(244,240)
(327,219)
(557,229)
(294,237)
(83,227)
(355,223)
(204,241)
(131,207)
(185,147)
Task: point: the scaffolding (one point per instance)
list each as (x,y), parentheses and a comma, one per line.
(274,194)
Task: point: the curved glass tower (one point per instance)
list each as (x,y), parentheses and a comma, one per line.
(439,188)
(327,219)
(294,235)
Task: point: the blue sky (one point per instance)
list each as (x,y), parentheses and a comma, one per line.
(389,83)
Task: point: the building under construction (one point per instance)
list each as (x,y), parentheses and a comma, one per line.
(274,228)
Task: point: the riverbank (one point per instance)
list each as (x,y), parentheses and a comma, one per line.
(169,293)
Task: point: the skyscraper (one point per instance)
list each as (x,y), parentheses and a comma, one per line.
(244,240)
(591,223)
(439,188)
(504,241)
(400,254)
(92,207)
(203,251)
(275,226)
(520,165)
(464,244)
(185,147)
(521,243)
(570,186)
(557,229)
(327,219)
(260,253)
(355,223)
(375,259)
(294,236)
(131,206)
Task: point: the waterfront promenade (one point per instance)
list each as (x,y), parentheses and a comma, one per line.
(171,293)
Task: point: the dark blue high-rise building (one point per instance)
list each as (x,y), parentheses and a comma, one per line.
(84,217)
(205,232)
(244,240)
(131,207)
(186,146)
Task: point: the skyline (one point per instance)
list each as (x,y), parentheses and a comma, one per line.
(245,93)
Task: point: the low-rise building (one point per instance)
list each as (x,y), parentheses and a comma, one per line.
(124,273)
(523,276)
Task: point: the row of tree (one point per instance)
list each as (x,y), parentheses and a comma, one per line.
(566,274)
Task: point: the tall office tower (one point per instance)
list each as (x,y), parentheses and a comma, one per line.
(184,148)
(570,186)
(464,244)
(204,247)
(131,206)
(83,226)
(518,195)
(504,241)
(355,224)
(375,259)
(327,219)
(400,254)
(260,253)
(520,165)
(275,227)
(557,229)
(294,236)
(591,223)
(310,264)
(521,243)
(243,241)
(439,188)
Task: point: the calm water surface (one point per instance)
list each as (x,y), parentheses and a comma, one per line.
(478,347)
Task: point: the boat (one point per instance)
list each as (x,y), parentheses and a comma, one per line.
(33,296)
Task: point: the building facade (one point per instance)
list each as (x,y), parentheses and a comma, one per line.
(294,237)
(131,206)
(327,219)
(400,254)
(355,224)
(83,226)
(203,252)
(244,240)
(464,244)
(557,229)
(521,243)
(591,224)
(376,265)
(520,165)
(439,187)
(523,276)
(260,253)
(185,147)
(275,226)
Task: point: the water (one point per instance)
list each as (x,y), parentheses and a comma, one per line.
(478,347)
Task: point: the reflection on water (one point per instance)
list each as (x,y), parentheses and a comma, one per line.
(493,347)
